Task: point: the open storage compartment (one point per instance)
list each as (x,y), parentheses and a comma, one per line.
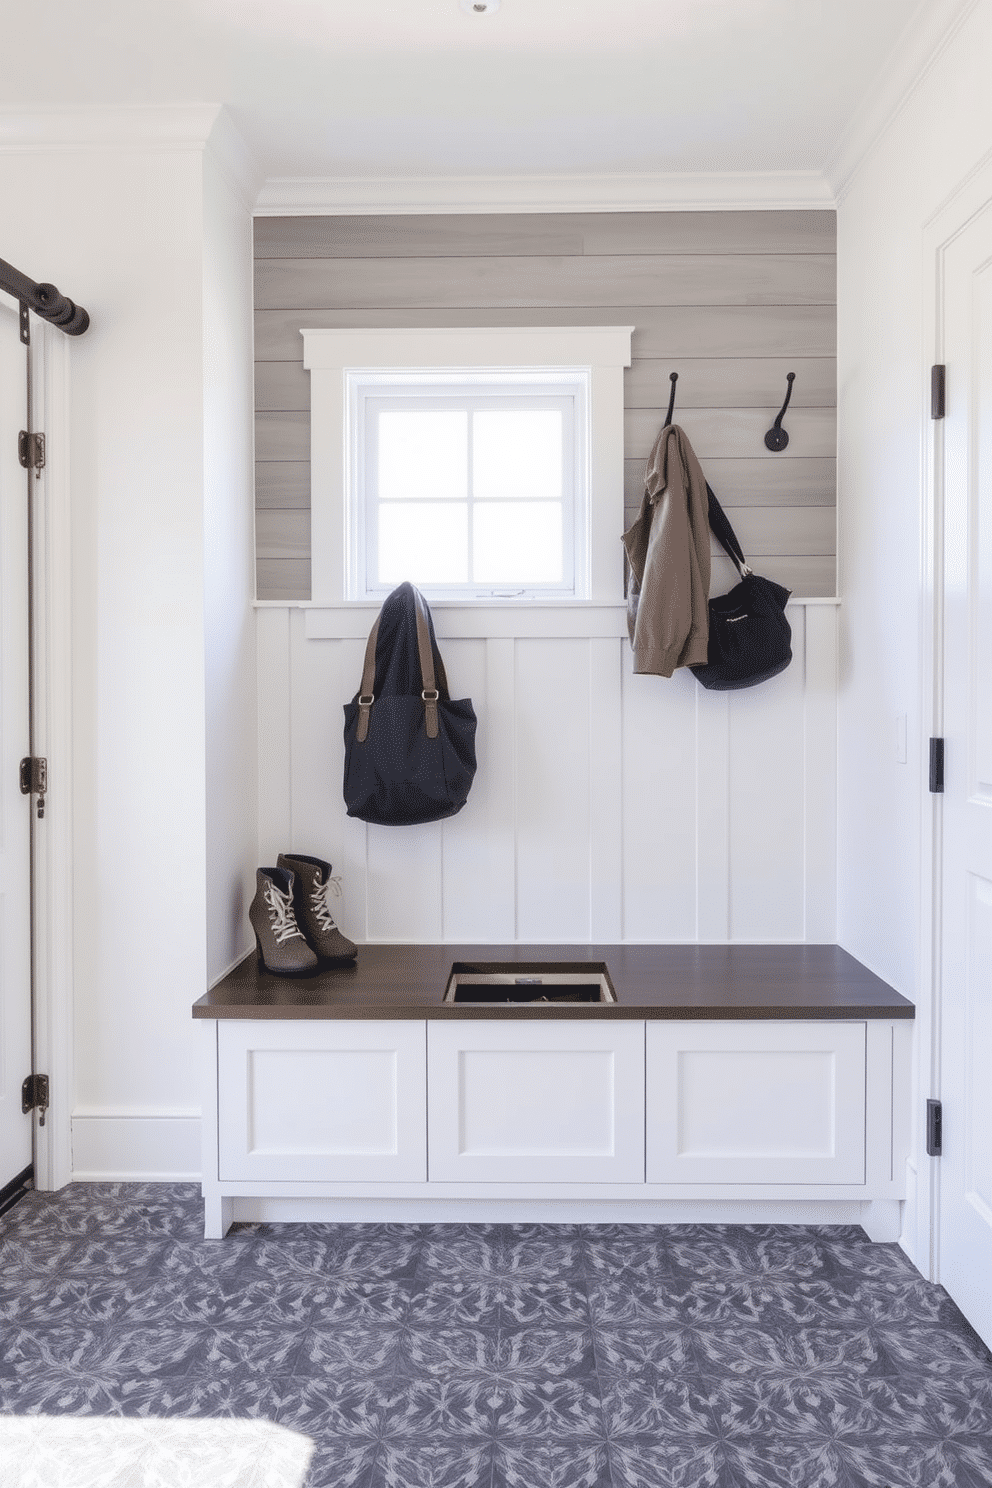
(530,983)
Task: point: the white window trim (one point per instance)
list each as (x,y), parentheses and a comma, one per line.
(329,355)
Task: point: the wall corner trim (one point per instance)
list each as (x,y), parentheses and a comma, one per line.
(926,36)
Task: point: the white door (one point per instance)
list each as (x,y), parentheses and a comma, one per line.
(965,1173)
(15,1006)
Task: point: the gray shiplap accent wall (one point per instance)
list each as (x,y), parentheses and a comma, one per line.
(732,301)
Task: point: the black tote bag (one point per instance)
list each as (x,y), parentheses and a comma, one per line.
(409,751)
(750,638)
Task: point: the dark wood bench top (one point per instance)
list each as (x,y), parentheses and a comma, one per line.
(651,981)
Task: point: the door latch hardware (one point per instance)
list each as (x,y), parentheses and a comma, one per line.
(34,1096)
(934,1128)
(936,766)
(34,776)
(31,450)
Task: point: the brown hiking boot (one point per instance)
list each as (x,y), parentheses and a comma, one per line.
(312,886)
(282,946)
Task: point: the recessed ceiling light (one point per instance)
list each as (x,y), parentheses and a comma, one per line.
(479,7)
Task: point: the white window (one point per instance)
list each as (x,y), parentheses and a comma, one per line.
(473,484)
(491,479)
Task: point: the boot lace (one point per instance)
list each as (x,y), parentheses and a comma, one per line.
(318,902)
(284,925)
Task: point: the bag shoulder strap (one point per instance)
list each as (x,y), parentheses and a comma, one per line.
(725,534)
(431,691)
(366,695)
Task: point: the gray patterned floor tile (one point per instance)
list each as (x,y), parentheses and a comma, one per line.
(498,1302)
(657,1406)
(110,1209)
(503,1356)
(424,1463)
(672,1462)
(342,1465)
(555,1464)
(356,1350)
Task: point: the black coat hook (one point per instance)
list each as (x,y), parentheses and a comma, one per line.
(671,401)
(776,439)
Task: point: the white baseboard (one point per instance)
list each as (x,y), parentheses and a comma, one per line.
(122,1147)
(546,1211)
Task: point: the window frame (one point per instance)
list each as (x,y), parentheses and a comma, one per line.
(336,359)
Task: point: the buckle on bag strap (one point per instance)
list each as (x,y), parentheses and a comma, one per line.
(430,696)
(365,701)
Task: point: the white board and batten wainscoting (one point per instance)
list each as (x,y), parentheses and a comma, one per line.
(607,806)
(550,1119)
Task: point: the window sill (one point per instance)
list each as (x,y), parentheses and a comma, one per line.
(456,620)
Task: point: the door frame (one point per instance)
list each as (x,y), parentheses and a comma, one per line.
(54,930)
(958,209)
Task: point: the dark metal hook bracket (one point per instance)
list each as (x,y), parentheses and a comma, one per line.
(671,400)
(776,439)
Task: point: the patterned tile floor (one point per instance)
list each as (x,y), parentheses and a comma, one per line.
(510,1356)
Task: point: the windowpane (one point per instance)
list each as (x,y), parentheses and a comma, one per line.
(426,543)
(517,544)
(423,455)
(517,455)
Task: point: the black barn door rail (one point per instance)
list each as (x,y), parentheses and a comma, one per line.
(45,300)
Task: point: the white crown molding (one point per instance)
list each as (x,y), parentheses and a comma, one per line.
(83,127)
(930,30)
(235,159)
(286,196)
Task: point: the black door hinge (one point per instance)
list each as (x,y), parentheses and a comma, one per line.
(34,776)
(936,766)
(31,450)
(938,381)
(934,1128)
(34,1096)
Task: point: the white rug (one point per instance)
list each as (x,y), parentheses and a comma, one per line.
(101,1452)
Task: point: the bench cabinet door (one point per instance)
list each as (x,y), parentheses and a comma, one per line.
(322,1101)
(762,1102)
(519,1101)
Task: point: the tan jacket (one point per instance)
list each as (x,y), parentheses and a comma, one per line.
(669,551)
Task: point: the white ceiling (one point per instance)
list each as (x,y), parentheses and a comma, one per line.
(408,88)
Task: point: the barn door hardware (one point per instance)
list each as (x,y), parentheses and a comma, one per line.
(34,779)
(34,1096)
(938,383)
(46,301)
(776,439)
(31,451)
(935,1123)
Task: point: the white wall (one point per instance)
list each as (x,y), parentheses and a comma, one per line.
(885,291)
(118,224)
(229,566)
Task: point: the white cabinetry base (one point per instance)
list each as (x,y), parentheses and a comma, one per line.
(285,1137)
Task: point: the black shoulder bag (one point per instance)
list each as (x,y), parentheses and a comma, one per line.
(750,638)
(409,751)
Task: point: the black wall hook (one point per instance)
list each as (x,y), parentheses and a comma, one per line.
(671,401)
(776,439)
